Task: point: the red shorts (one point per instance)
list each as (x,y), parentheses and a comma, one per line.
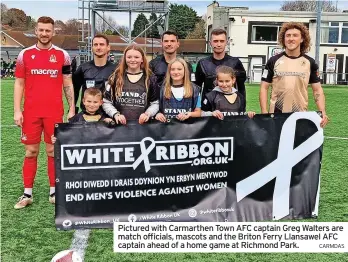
(33,126)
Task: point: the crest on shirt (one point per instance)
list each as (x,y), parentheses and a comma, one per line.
(53,59)
(303,63)
(33,56)
(24,137)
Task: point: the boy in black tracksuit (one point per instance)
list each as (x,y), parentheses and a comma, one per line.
(92,100)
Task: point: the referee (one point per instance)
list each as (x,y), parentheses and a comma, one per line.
(96,72)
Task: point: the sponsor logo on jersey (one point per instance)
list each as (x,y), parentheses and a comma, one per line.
(280,73)
(51,72)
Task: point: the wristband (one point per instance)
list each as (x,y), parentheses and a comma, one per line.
(116,114)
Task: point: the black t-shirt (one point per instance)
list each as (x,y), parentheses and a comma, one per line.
(134,97)
(89,75)
(206,73)
(216,100)
(132,103)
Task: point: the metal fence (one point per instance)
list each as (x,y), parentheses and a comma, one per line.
(333,78)
(12,53)
(326,78)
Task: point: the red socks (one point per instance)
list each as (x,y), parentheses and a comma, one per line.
(51,171)
(29,171)
(30,168)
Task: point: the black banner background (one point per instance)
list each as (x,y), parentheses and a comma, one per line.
(256,143)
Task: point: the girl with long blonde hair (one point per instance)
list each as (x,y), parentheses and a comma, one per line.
(179,97)
(131,91)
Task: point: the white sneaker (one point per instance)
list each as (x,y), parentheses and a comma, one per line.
(23,201)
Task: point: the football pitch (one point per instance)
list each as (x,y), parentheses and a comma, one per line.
(30,235)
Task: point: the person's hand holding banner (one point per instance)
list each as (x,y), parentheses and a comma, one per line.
(218,114)
(120,119)
(183,116)
(143,118)
(160,117)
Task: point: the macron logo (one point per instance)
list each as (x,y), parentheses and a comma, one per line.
(52,72)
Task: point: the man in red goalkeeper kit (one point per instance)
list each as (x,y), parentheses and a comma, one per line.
(42,71)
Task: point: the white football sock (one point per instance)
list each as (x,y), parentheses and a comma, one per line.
(28,191)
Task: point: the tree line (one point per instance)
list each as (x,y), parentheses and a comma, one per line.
(182,18)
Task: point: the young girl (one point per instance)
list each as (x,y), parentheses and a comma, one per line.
(179,98)
(224,99)
(131,90)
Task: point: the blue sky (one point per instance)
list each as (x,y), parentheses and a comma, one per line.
(66,9)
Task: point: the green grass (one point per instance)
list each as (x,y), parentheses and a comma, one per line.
(30,234)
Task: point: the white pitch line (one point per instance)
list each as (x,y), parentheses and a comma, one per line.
(80,242)
(336,137)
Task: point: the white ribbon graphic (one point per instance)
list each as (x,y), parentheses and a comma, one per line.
(281,167)
(145,153)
